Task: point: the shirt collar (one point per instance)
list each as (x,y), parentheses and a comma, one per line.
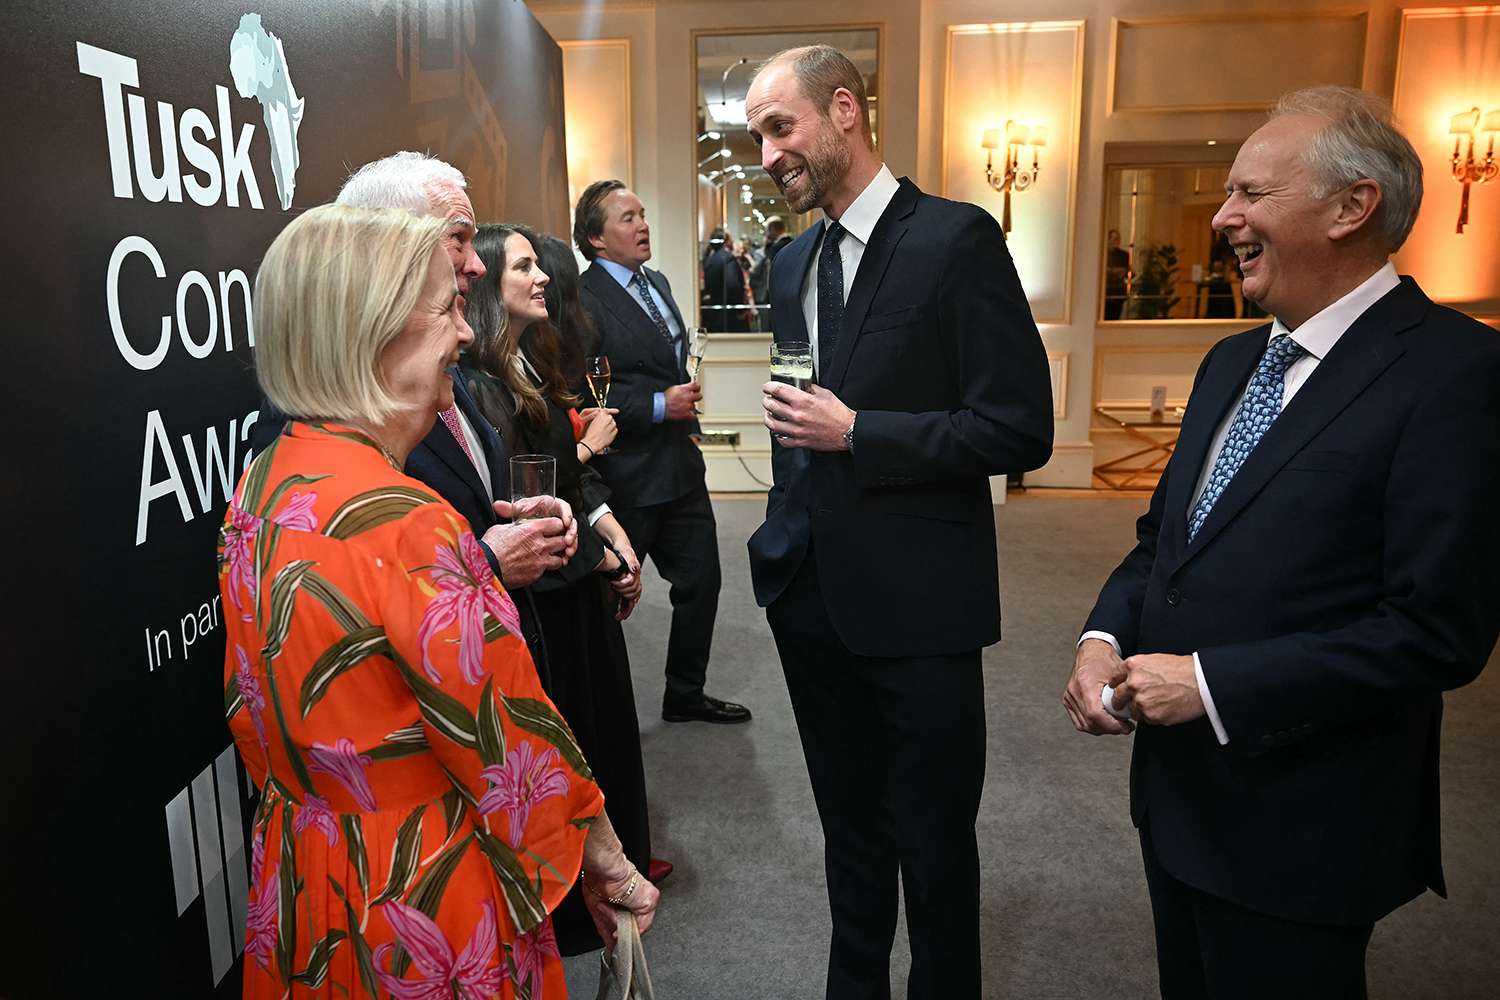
(860,217)
(619,272)
(1318,335)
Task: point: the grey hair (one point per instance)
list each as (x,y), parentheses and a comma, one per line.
(402,180)
(1361,142)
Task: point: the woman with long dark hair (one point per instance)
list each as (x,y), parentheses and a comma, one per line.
(516,370)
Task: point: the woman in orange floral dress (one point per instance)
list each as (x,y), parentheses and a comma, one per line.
(423,806)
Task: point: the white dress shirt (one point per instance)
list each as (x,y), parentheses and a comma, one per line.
(859,222)
(1317,337)
(476,453)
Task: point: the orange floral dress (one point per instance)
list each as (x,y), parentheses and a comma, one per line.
(423,804)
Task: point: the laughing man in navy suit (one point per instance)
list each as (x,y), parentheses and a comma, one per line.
(1320,561)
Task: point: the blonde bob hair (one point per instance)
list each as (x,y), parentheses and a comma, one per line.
(333,290)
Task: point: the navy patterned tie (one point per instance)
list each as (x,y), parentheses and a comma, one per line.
(830,295)
(638,279)
(1259,409)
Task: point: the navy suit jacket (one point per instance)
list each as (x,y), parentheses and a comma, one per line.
(648,463)
(1349,573)
(942,361)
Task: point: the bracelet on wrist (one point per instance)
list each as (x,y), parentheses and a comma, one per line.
(592,452)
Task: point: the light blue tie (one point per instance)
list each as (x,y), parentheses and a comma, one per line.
(1259,409)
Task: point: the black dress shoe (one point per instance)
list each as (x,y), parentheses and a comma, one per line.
(704,709)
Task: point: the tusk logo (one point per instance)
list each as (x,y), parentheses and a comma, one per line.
(207,843)
(258,64)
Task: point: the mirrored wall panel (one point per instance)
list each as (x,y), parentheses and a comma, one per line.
(1162,259)
(736,198)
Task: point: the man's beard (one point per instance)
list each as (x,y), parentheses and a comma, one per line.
(826,164)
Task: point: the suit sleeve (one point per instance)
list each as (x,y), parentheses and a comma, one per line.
(1118,610)
(1437,622)
(1003,421)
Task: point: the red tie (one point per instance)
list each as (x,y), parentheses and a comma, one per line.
(450,417)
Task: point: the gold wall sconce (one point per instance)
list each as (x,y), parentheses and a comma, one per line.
(1016,137)
(1466,169)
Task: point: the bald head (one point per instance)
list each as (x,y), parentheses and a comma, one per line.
(820,72)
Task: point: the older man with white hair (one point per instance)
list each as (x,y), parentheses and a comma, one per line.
(1320,561)
(462,458)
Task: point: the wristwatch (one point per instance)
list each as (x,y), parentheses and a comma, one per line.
(849,435)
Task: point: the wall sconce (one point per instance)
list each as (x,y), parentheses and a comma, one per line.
(1014,177)
(1465,169)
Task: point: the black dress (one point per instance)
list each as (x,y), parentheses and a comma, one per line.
(590,665)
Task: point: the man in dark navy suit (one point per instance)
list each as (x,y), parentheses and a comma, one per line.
(654,469)
(462,457)
(876,562)
(1319,562)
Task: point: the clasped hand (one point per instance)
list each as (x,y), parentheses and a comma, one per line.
(814,419)
(527,549)
(1157,688)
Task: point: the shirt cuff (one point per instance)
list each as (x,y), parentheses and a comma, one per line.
(1208,702)
(489,556)
(658,407)
(597,513)
(1106,637)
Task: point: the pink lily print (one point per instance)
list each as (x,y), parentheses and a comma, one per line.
(239,541)
(530,953)
(251,694)
(315,813)
(466,591)
(239,556)
(474,974)
(524,780)
(260,920)
(347,766)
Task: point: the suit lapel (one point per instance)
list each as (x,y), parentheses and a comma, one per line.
(786,285)
(1361,354)
(1222,384)
(872,266)
(443,444)
(660,284)
(628,312)
(495,455)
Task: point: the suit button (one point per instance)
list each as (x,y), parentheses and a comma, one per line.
(1173,597)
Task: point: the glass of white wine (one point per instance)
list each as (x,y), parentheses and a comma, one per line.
(792,363)
(697,343)
(596,373)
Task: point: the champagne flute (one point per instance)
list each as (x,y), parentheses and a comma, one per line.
(596,372)
(697,343)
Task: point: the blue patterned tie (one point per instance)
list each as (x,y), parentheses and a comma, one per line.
(1260,408)
(638,279)
(830,295)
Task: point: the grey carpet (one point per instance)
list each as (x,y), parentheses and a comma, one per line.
(1065,913)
